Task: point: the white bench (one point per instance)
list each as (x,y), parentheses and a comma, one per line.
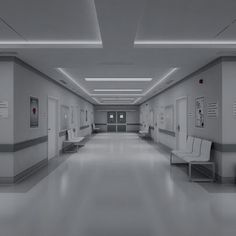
(72,140)
(95,129)
(145,132)
(197,152)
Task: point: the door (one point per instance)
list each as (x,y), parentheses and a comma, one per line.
(181,123)
(121,117)
(121,121)
(111,121)
(52,127)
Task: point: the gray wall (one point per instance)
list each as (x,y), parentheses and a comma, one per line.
(132,116)
(7,124)
(27,82)
(229,119)
(211,90)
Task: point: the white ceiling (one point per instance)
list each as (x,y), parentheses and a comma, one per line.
(117,24)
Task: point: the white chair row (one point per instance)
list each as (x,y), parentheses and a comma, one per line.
(197,152)
(72,140)
(95,129)
(145,132)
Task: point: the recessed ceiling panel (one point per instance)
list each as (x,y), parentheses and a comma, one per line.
(185,19)
(52,20)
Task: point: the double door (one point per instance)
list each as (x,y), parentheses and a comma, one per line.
(116,121)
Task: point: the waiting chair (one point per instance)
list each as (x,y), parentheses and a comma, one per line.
(95,129)
(145,132)
(72,140)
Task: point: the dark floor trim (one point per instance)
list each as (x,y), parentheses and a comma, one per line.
(134,124)
(24,174)
(22,145)
(100,124)
(84,127)
(164,131)
(31,170)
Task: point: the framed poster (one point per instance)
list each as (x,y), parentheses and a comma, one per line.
(199,112)
(65,111)
(169,117)
(34,112)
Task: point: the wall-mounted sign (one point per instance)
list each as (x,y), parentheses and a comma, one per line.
(3,109)
(212,110)
(34,112)
(199,112)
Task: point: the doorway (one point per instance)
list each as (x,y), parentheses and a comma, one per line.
(181,123)
(116,121)
(52,127)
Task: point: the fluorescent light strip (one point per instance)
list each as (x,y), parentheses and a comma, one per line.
(161,80)
(66,43)
(116,95)
(185,43)
(136,100)
(117,90)
(118,79)
(114,99)
(75,82)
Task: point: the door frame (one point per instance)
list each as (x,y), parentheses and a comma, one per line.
(176,116)
(57,122)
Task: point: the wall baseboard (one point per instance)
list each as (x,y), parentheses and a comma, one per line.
(24,174)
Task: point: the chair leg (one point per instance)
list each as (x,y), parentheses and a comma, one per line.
(190,171)
(213,171)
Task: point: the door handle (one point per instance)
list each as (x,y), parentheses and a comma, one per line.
(178,128)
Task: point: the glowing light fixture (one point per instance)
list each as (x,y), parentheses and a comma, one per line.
(118,79)
(115,98)
(172,71)
(187,43)
(117,90)
(53,44)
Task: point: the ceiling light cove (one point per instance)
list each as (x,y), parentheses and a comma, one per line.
(117,90)
(52,44)
(168,74)
(117,95)
(118,79)
(116,98)
(68,76)
(185,43)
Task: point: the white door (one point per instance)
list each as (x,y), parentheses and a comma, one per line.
(181,122)
(52,128)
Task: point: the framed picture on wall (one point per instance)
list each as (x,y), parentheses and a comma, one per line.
(34,112)
(199,112)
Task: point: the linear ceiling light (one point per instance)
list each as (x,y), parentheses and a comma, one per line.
(117,90)
(115,98)
(75,82)
(57,44)
(136,100)
(161,80)
(184,44)
(116,95)
(118,79)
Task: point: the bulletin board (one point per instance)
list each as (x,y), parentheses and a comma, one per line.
(169,118)
(34,112)
(199,112)
(65,111)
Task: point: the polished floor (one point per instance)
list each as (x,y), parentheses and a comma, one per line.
(117,185)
